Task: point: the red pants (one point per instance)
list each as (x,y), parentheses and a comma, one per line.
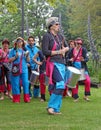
(87,88)
(42,83)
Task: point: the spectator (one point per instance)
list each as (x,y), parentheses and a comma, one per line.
(5,81)
(19,60)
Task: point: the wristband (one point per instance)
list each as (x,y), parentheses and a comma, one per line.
(58,52)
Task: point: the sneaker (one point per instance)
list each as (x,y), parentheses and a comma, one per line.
(42,100)
(69,94)
(86,98)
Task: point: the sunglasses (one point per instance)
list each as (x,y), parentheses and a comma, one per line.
(57,24)
(79,43)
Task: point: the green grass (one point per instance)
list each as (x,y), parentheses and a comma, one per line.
(81,115)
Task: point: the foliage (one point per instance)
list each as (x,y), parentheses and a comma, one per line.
(34,12)
(8,6)
(78,13)
(94,71)
(54,2)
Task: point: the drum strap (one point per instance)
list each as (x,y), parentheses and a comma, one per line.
(77,55)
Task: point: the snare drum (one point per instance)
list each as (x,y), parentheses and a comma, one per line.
(74,76)
(33,77)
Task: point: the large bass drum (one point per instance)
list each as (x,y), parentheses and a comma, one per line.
(74,76)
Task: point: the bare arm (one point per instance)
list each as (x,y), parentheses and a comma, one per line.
(35,59)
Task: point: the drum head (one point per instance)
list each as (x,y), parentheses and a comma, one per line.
(35,72)
(74,70)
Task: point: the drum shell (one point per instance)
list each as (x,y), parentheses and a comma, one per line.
(33,77)
(82,77)
(74,76)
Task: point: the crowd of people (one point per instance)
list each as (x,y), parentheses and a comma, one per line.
(19,64)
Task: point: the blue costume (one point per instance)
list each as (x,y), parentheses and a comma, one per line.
(15,80)
(33,66)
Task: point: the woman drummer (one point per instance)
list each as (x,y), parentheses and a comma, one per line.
(78,57)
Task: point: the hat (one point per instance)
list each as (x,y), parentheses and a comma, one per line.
(51,21)
(20,39)
(79,40)
(5,41)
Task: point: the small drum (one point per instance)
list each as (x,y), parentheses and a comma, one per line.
(82,77)
(33,77)
(74,76)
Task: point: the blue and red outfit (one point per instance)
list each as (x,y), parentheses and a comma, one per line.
(80,64)
(15,80)
(55,69)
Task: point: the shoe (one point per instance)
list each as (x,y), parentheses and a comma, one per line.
(69,94)
(42,100)
(86,99)
(10,96)
(2,98)
(76,100)
(50,111)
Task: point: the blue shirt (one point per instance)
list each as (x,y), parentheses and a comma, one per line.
(32,51)
(20,52)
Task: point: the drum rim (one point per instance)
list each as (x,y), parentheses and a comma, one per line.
(35,72)
(74,68)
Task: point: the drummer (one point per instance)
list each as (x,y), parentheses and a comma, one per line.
(67,91)
(78,57)
(32,66)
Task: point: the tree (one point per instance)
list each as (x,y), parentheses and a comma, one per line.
(8,6)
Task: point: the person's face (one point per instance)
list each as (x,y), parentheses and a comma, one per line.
(5,45)
(78,45)
(19,44)
(31,41)
(72,45)
(56,27)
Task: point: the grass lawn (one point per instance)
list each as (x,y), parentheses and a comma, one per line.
(81,115)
